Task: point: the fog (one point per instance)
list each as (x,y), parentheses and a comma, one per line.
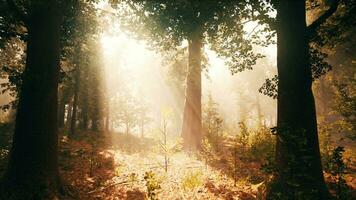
(133,68)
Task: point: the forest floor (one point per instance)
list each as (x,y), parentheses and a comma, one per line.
(108,167)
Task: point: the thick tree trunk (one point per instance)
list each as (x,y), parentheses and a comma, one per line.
(73,124)
(192,116)
(299,171)
(32,171)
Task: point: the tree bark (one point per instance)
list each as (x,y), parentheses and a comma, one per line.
(32,171)
(192,116)
(299,172)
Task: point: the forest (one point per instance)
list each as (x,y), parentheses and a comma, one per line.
(177,99)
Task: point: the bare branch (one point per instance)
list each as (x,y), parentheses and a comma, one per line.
(318,22)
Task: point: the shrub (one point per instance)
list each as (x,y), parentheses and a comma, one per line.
(336,166)
(192,180)
(262,145)
(153,185)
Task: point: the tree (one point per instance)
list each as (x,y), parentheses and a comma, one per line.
(12,61)
(166,24)
(45,26)
(64,95)
(96,87)
(299,170)
(343,89)
(330,28)
(81,31)
(142,118)
(77,69)
(32,173)
(125,115)
(212,122)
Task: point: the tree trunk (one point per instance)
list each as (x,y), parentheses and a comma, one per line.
(192,116)
(85,99)
(107,119)
(61,109)
(85,108)
(32,171)
(259,112)
(75,100)
(299,172)
(96,106)
(69,113)
(95,119)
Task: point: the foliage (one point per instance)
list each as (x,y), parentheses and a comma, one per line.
(324,40)
(5,142)
(346,101)
(142,117)
(325,141)
(263,144)
(244,135)
(152,184)
(206,151)
(163,141)
(12,62)
(336,166)
(166,24)
(192,180)
(167,147)
(133,177)
(128,112)
(5,135)
(269,165)
(270,87)
(212,122)
(78,29)
(125,115)
(234,154)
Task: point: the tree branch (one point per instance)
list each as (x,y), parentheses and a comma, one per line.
(328,13)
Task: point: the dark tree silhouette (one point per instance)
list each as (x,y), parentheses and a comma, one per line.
(32,171)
